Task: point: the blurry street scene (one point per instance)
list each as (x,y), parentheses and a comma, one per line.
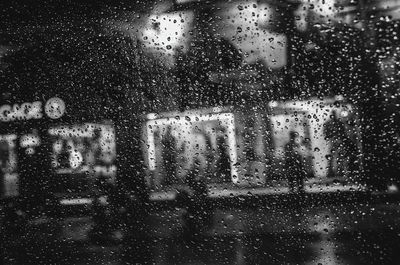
(200,132)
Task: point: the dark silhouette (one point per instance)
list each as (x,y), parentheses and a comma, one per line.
(224,162)
(104,213)
(343,150)
(100,232)
(4,156)
(35,176)
(169,156)
(294,164)
(198,215)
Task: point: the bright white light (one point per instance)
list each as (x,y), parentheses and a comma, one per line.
(273,104)
(76,201)
(29,140)
(254,40)
(151,116)
(186,1)
(392,188)
(167,32)
(339,97)
(55,108)
(325,8)
(75,159)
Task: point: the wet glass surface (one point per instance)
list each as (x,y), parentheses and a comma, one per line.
(199,132)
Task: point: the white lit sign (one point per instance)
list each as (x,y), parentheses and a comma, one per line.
(54,109)
(25,111)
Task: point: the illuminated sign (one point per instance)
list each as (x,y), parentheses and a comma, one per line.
(25,111)
(85,148)
(54,109)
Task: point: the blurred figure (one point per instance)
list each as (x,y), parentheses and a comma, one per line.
(223,162)
(169,155)
(34,169)
(198,215)
(343,150)
(102,229)
(107,200)
(294,164)
(4,157)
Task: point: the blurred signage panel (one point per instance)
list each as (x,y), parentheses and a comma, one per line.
(253,147)
(89,148)
(83,157)
(54,108)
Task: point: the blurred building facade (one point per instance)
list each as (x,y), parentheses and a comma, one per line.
(290,50)
(252,59)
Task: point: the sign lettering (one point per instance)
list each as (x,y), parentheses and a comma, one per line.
(54,109)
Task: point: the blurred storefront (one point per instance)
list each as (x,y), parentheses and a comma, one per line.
(46,149)
(66,108)
(234,148)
